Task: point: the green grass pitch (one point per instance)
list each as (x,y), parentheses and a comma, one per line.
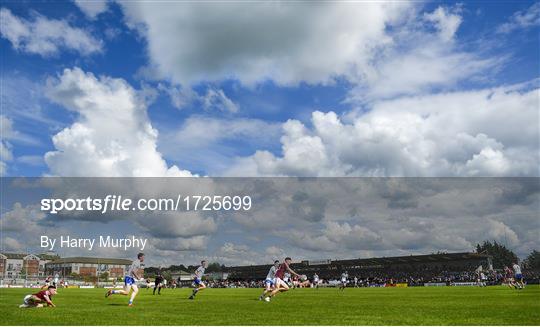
(362,306)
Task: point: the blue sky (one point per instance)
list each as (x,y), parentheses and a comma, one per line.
(330,89)
(124,54)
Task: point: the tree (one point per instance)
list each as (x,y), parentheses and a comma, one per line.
(533,260)
(104,276)
(213,267)
(502,256)
(167,276)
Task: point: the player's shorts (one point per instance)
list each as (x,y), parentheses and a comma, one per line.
(197,281)
(26,299)
(519,276)
(343,281)
(278,282)
(129,281)
(269,281)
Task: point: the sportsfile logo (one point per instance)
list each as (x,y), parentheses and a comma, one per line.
(111,203)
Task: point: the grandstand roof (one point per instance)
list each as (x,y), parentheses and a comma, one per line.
(436,257)
(411,259)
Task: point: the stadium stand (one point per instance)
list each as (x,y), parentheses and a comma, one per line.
(414,270)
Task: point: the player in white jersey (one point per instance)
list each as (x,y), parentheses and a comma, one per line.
(316,280)
(287,278)
(134,274)
(269,282)
(344,278)
(518,276)
(197,281)
(480,276)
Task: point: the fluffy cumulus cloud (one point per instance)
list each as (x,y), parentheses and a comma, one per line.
(44,36)
(449,134)
(112,135)
(377,217)
(22,226)
(364,218)
(177,225)
(253,42)
(383,48)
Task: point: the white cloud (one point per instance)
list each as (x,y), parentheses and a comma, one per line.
(10,244)
(216,98)
(449,134)
(6,133)
(112,135)
(365,218)
(522,19)
(418,70)
(213,99)
(8,136)
(419,60)
(180,96)
(383,48)
(92,8)
(498,231)
(214,143)
(31,160)
(196,243)
(353,237)
(231,253)
(287,43)
(22,218)
(447,23)
(22,226)
(46,37)
(177,224)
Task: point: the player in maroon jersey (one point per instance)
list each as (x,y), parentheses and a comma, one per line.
(509,277)
(279,283)
(48,281)
(40,298)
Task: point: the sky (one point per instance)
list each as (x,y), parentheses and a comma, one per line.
(252,89)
